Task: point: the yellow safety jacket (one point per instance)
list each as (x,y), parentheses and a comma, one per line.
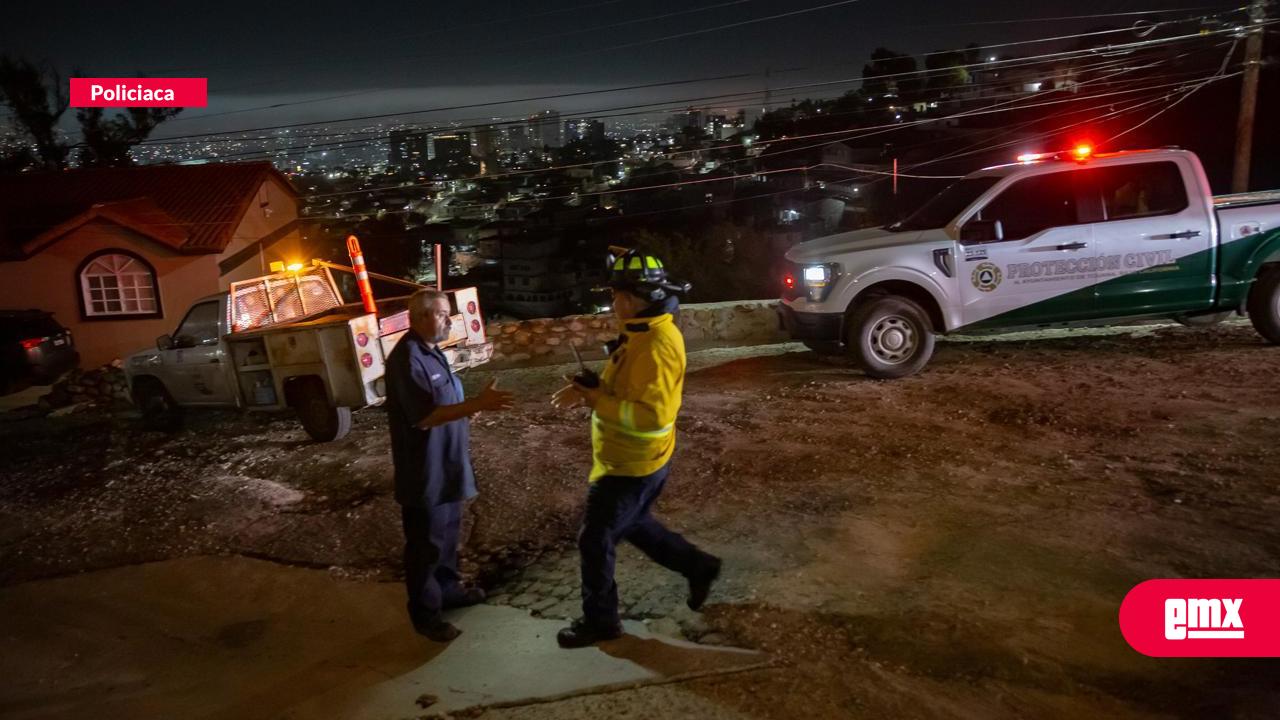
(633,427)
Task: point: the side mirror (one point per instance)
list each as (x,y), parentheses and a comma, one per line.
(982,231)
(164,342)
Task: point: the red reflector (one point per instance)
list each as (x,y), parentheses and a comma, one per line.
(475,326)
(362,339)
(471,308)
(366,360)
(32,343)
(789,281)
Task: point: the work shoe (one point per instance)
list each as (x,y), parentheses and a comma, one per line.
(438,631)
(700,585)
(583,633)
(464,597)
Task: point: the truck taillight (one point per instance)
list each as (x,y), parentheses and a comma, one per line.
(366,360)
(32,343)
(472,308)
(362,339)
(475,326)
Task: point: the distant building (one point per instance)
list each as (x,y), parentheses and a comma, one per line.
(409,150)
(489,142)
(518,137)
(692,118)
(583,129)
(454,147)
(544,129)
(539,273)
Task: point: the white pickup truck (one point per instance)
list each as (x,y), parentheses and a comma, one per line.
(1054,239)
(288,341)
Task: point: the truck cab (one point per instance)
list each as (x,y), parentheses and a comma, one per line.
(1056,239)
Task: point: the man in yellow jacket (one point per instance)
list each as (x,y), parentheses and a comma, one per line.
(633,412)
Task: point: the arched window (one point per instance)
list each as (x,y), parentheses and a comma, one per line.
(115,283)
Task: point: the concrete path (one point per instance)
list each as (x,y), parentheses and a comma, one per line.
(27,396)
(232,637)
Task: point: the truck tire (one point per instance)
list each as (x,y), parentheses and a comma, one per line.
(159,411)
(322,421)
(1264,305)
(889,337)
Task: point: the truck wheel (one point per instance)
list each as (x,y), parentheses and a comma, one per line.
(1264,305)
(890,337)
(159,411)
(322,421)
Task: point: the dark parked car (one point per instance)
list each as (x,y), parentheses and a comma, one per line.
(33,347)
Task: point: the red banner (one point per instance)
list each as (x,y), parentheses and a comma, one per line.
(139,92)
(1203,618)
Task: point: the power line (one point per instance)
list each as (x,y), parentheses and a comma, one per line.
(675,184)
(862,173)
(849,135)
(350,145)
(559,96)
(924,74)
(650,108)
(1087,17)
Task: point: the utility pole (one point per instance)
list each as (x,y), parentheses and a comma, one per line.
(768,93)
(1248,96)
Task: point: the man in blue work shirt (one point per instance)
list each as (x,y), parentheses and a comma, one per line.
(430,447)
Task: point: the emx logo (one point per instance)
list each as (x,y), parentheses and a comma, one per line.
(1203,618)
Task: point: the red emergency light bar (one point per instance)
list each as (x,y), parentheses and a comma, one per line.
(1079,153)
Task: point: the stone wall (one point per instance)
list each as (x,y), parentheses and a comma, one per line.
(547,341)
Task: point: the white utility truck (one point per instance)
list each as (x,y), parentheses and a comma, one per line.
(1055,239)
(288,341)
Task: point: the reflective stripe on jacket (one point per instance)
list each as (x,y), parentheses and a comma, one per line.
(633,427)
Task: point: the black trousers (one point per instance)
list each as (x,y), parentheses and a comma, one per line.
(618,508)
(431,559)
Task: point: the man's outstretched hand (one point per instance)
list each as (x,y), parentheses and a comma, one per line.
(574,395)
(491,398)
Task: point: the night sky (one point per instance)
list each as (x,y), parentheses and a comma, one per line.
(357,58)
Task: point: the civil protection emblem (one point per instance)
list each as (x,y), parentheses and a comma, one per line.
(986,277)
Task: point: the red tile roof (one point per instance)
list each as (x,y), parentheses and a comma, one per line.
(193,208)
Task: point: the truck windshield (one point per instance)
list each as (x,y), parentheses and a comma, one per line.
(944,206)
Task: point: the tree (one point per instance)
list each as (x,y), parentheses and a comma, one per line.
(946,71)
(37,106)
(890,74)
(107,140)
(723,261)
(39,102)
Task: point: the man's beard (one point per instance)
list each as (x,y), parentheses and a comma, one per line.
(441,335)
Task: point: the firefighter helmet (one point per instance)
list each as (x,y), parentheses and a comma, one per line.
(641,274)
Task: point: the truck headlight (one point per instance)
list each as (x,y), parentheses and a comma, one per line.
(818,280)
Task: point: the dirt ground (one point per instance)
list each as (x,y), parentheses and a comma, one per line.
(951,545)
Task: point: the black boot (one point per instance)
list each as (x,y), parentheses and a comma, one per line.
(700,584)
(583,633)
(437,630)
(464,597)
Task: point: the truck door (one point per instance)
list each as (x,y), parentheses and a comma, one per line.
(196,373)
(1162,240)
(1040,268)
